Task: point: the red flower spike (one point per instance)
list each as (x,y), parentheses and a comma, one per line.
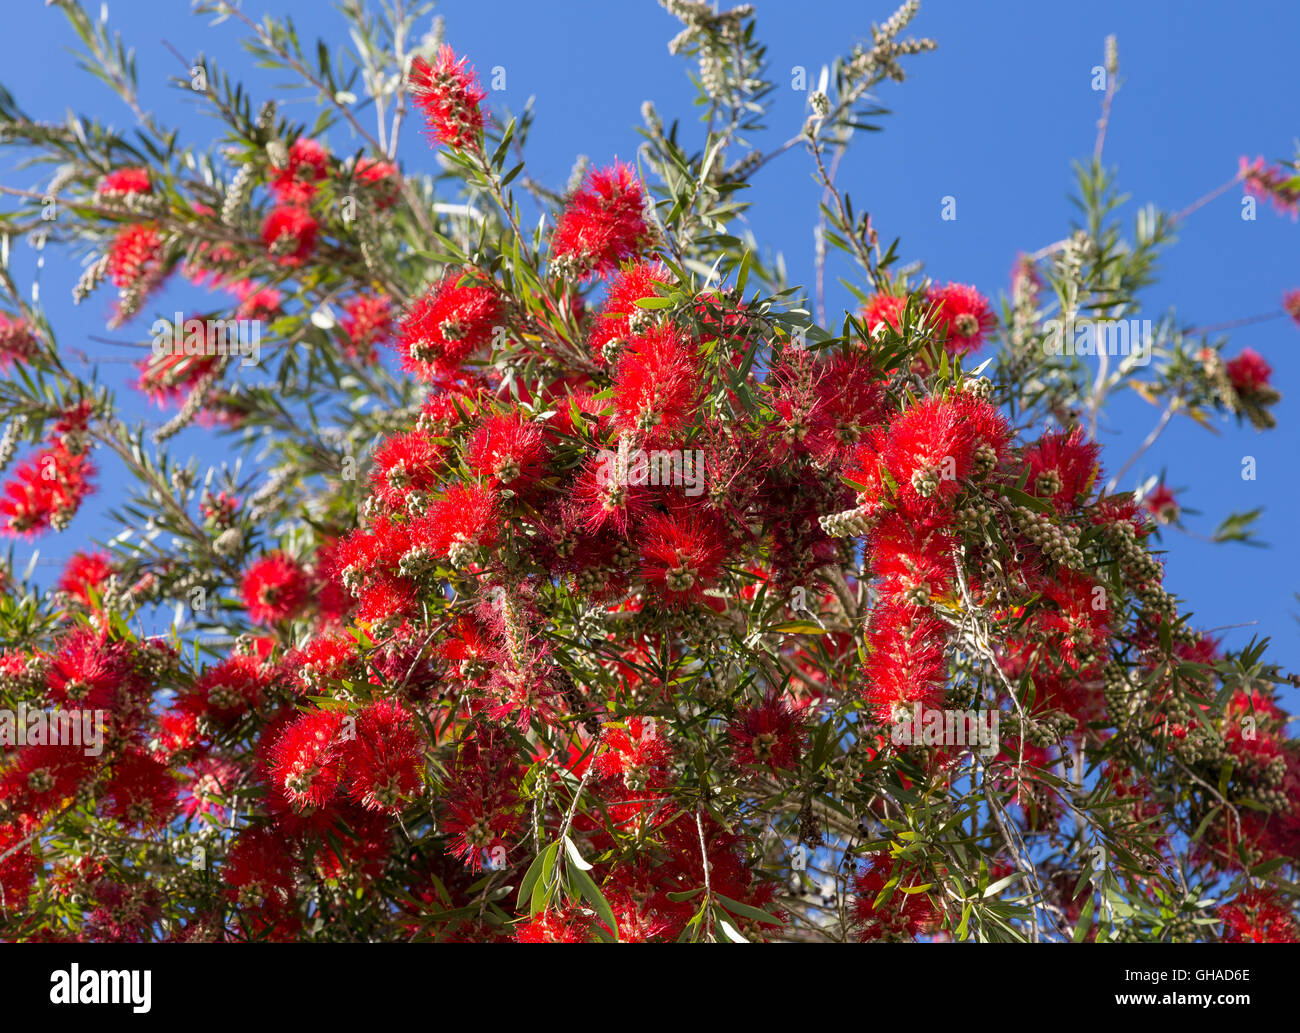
(507,452)
(289,234)
(681,555)
(307,759)
(449,95)
(656,383)
(383,758)
(275,588)
(295,183)
(446,325)
(603,224)
(769,735)
(964,317)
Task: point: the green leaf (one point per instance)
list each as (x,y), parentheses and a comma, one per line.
(1085,920)
(798,628)
(730,931)
(1236,527)
(655,302)
(742,273)
(592,895)
(747,911)
(571,849)
(533,877)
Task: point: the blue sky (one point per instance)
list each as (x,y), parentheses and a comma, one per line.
(993,118)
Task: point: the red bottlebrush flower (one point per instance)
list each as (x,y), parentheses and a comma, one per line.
(255,300)
(1249,372)
(656,383)
(1261,739)
(84,572)
(682,555)
(1083,610)
(1272,182)
(602,499)
(406,464)
(275,588)
(171,376)
(642,917)
(386,600)
(87,673)
(439,414)
(122,182)
(637,755)
(847,401)
(74,419)
(574,413)
(307,759)
(22,671)
(446,325)
(469,651)
(321,658)
(522,692)
(1062,468)
(507,451)
(383,759)
(769,735)
(931,447)
(295,183)
(913,559)
(964,317)
(483,809)
(209,776)
(906,661)
(289,234)
(367,321)
(1259,916)
(231,688)
(552,927)
(122,912)
(901,916)
(260,873)
(468,521)
(989,430)
(134,255)
(424,541)
(46,491)
(603,224)
(1162,505)
(449,95)
(42,777)
(382,178)
(1291,303)
(362,556)
(613,325)
(17,866)
(883,311)
(219,508)
(141,791)
(16,341)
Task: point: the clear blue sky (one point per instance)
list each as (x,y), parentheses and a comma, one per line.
(994,118)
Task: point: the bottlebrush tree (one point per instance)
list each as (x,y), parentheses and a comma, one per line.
(590,582)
